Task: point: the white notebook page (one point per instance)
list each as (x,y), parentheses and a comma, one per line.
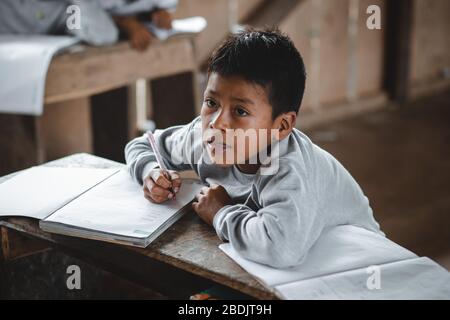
(338,249)
(418,278)
(38,191)
(117,206)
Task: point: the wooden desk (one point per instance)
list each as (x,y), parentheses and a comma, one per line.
(85,76)
(84,71)
(189,246)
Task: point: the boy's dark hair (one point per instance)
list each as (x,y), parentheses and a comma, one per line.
(265,57)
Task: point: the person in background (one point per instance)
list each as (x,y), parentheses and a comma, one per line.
(28,17)
(98,19)
(131,16)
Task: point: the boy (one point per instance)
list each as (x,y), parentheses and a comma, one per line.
(256,81)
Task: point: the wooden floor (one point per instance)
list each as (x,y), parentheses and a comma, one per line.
(401,159)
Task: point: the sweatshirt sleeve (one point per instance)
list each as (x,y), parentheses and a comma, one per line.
(178,145)
(281,232)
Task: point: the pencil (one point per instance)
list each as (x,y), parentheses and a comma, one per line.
(153,144)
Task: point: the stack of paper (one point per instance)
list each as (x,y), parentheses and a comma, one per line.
(39,191)
(24,61)
(101,204)
(116,211)
(349,262)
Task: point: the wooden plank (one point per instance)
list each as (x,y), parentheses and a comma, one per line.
(113,106)
(217,15)
(271,13)
(2,254)
(66,128)
(430,46)
(428,88)
(309,119)
(4,243)
(208,264)
(92,70)
(370,51)
(178,107)
(15,245)
(119,260)
(21,142)
(189,245)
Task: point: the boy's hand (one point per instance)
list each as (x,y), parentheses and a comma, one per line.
(162,19)
(209,201)
(159,188)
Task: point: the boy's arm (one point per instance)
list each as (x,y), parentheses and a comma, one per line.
(282,231)
(177,147)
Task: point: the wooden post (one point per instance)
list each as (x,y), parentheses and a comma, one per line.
(4,243)
(398,48)
(110,123)
(15,245)
(66,128)
(21,142)
(173,100)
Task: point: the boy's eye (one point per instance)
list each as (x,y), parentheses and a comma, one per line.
(210,103)
(241,112)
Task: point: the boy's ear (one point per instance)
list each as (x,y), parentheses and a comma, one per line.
(285,123)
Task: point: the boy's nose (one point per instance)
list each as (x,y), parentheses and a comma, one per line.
(220,121)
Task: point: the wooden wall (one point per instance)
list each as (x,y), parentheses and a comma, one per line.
(339,70)
(430,40)
(219,14)
(370,51)
(320,31)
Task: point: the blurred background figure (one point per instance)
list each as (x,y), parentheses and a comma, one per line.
(49,17)
(131,16)
(98,19)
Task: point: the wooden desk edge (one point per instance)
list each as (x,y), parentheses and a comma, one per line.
(76,63)
(23,225)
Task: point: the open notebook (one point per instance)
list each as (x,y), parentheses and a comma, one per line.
(100,204)
(337,267)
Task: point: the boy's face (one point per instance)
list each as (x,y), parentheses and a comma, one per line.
(232,103)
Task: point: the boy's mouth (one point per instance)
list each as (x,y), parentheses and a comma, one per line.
(213,144)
